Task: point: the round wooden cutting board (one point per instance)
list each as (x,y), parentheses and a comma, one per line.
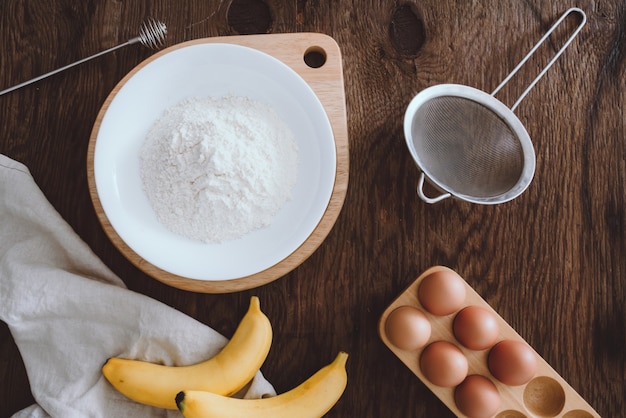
(317,59)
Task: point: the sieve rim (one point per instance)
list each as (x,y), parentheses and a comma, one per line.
(498,108)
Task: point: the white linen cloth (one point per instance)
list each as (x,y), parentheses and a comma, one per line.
(68,313)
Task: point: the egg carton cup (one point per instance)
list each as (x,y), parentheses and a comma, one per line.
(547,394)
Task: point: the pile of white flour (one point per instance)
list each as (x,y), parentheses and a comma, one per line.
(216,169)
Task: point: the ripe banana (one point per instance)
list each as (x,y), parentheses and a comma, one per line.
(311,399)
(226,373)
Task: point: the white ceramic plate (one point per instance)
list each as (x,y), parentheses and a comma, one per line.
(202,70)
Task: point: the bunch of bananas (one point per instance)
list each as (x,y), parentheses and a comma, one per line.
(204,389)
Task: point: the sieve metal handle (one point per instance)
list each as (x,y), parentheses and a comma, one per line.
(422,195)
(537,45)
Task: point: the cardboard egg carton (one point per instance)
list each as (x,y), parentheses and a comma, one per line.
(547,394)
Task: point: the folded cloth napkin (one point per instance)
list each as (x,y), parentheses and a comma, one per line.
(68,313)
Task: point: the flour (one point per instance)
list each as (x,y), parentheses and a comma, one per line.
(216,169)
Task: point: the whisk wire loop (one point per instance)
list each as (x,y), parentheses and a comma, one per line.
(152,34)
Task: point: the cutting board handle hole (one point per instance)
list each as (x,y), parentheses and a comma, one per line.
(315,57)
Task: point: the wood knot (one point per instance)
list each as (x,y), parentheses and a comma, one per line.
(248,17)
(406,30)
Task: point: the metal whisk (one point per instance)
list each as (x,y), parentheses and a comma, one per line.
(152,35)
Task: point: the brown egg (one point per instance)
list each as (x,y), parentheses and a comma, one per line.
(443,364)
(512,362)
(477,397)
(407,328)
(476,327)
(442,292)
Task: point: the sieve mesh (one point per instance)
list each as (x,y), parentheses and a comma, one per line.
(466,148)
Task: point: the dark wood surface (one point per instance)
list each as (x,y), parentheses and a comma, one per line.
(552,262)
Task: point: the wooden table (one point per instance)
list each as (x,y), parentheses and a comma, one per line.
(552,262)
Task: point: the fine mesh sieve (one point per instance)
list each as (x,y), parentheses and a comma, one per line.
(468,144)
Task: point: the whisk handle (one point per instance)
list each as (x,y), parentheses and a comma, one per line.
(51,73)
(422,195)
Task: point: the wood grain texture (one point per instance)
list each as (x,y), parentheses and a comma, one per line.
(552,262)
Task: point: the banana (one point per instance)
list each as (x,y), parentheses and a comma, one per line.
(311,399)
(226,373)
